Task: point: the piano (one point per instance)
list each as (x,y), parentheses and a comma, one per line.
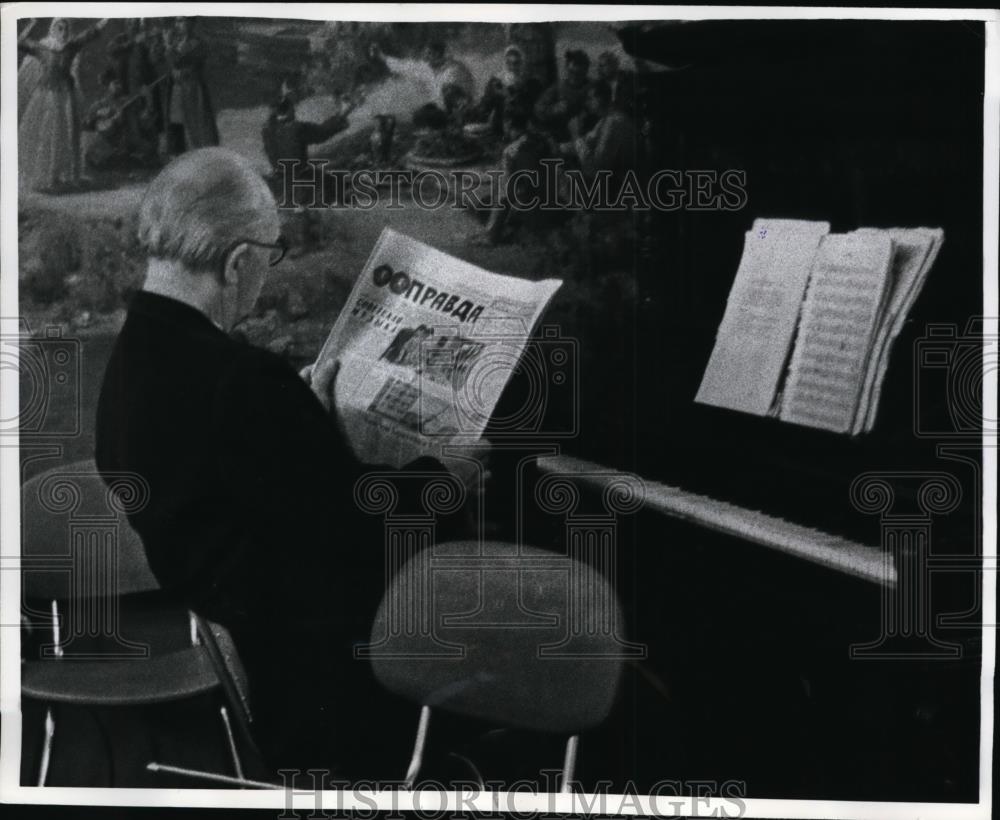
(865,561)
(764,594)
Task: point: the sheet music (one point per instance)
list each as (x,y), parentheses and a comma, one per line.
(844,302)
(751,346)
(915,252)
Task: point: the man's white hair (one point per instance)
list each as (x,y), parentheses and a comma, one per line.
(201,205)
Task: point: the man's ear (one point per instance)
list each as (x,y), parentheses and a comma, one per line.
(234,264)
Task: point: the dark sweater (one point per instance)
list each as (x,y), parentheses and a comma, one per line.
(251,518)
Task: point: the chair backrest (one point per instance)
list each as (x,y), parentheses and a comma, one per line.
(70,508)
(502,638)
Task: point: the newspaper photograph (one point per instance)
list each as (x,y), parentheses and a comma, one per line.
(532,410)
(426,345)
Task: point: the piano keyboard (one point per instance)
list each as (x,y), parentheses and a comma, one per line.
(861,561)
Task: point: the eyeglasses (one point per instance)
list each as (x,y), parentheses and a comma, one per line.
(278,249)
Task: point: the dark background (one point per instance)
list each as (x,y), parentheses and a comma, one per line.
(748,674)
(861,124)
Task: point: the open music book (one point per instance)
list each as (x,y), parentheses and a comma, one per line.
(811,319)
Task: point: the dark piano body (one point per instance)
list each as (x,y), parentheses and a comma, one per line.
(749,675)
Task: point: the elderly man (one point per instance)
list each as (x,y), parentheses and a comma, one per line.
(250,520)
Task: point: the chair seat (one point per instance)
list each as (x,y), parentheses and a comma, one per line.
(172,676)
(509,658)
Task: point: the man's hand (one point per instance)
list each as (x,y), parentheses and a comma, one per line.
(322,380)
(461,460)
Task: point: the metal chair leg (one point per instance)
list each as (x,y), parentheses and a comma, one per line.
(50,730)
(569,764)
(57,649)
(233,751)
(211,777)
(417,758)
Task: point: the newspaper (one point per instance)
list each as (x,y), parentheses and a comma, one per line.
(426,344)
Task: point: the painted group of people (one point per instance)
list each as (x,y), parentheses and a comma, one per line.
(451,89)
(155,103)
(586,122)
(513,88)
